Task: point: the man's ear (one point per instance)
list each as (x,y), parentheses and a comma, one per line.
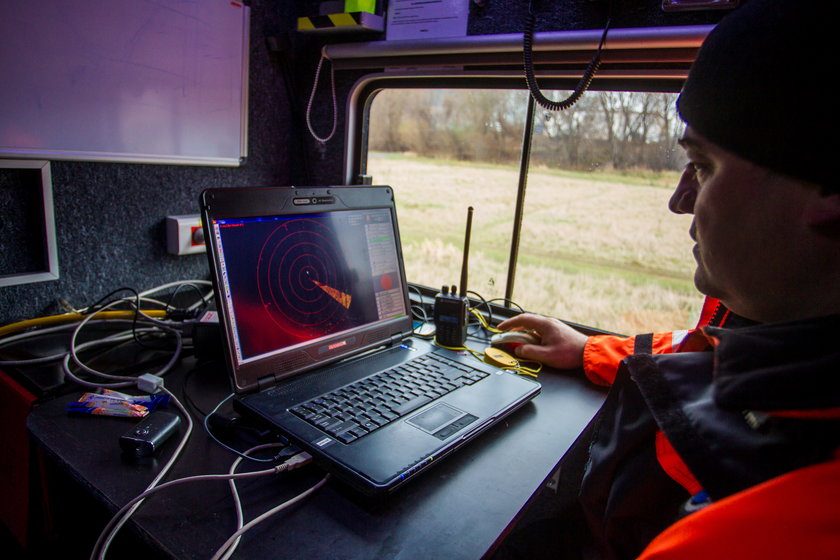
(823,214)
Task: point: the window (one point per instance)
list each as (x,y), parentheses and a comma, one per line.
(598,246)
(443,151)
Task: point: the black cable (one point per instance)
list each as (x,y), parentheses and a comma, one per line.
(530,78)
(418,311)
(185,389)
(470,317)
(171,298)
(508,303)
(97,306)
(101,302)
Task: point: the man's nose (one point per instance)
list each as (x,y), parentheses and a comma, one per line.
(682,201)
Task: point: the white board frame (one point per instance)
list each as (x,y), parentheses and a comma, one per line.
(125,81)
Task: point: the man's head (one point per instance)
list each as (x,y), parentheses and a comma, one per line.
(767,212)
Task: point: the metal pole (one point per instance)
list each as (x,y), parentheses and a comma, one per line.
(524,162)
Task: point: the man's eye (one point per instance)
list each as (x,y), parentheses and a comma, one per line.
(701,170)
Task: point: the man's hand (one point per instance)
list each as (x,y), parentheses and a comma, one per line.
(561,346)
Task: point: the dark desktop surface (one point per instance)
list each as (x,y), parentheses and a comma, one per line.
(461,508)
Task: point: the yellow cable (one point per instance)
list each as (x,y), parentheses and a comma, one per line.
(460,348)
(483,321)
(65,318)
(520,369)
(531,372)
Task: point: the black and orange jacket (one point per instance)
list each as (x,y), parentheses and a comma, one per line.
(795,515)
(753,419)
(603,353)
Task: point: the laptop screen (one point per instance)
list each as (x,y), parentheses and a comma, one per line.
(288,281)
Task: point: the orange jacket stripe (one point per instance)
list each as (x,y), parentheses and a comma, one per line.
(674,466)
(603,354)
(796,515)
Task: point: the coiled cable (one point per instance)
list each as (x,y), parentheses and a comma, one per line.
(530,78)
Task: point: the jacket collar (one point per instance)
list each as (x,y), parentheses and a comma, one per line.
(778,367)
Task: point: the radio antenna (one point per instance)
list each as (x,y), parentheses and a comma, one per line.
(465,263)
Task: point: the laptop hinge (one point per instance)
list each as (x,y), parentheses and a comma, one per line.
(396,339)
(265,382)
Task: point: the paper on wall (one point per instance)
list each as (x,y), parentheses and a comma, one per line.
(426,19)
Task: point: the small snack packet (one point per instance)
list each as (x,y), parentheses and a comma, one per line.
(106,402)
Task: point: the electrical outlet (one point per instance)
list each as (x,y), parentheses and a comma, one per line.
(184,235)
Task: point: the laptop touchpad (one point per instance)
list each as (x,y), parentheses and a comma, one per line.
(442,420)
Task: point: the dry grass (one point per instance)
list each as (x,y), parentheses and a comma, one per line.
(602,251)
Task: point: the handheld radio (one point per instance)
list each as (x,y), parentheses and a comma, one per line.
(451,308)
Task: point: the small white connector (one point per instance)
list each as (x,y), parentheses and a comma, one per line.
(149,383)
(297,461)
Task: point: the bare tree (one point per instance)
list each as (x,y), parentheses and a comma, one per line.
(616,129)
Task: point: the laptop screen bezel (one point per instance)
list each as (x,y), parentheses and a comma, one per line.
(254,374)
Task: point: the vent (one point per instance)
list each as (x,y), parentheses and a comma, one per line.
(292,363)
(377,335)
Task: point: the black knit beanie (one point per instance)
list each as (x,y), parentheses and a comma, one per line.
(759,88)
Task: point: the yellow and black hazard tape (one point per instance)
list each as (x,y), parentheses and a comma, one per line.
(330,21)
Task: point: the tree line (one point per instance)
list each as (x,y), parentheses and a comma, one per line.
(604,130)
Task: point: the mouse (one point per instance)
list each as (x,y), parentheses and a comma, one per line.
(509,341)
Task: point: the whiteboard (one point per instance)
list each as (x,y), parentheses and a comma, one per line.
(155,81)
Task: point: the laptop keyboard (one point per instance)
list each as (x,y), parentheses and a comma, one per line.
(360,408)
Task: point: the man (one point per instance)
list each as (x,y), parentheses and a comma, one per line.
(729,446)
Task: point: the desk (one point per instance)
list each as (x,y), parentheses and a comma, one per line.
(458,510)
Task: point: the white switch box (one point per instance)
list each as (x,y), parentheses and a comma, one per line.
(184,235)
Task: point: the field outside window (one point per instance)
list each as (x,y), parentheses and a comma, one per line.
(598,247)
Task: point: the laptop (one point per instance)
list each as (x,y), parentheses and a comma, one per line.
(317,327)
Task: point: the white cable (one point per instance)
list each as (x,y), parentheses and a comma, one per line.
(312,98)
(116,337)
(259,519)
(161,288)
(205,297)
(175,284)
(135,502)
(57,328)
(237,503)
(122,515)
(72,353)
(107,535)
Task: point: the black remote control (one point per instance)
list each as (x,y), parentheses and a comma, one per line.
(149,434)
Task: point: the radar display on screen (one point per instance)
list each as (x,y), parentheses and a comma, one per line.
(289,280)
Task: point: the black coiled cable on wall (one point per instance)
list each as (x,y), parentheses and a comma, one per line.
(530,78)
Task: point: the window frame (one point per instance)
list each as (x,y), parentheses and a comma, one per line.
(642,59)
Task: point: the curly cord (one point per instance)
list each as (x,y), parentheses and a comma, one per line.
(312,98)
(530,78)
